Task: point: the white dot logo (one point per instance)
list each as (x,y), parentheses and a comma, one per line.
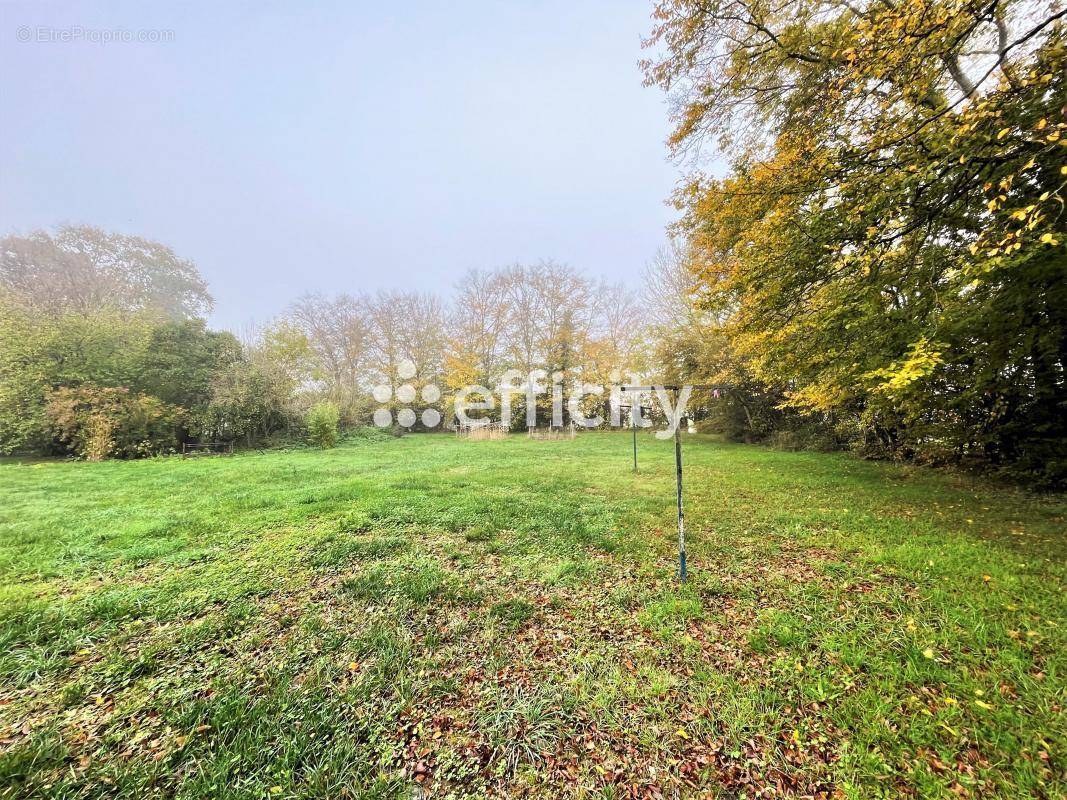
(405,394)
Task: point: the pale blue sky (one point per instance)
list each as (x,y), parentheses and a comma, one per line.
(300,146)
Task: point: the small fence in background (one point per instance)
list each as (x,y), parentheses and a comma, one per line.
(207,449)
(551,433)
(490,430)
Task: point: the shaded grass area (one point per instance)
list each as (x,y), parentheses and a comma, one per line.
(501,616)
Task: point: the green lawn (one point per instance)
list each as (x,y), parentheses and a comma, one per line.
(502,618)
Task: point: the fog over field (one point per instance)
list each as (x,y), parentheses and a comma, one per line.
(585,400)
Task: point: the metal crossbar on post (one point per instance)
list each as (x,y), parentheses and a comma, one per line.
(716,390)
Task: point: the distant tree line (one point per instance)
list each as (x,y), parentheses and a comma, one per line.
(544,316)
(883,269)
(104,350)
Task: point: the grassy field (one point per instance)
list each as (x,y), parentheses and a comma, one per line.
(501,618)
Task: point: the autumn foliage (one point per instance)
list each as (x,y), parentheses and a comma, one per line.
(97,423)
(887,249)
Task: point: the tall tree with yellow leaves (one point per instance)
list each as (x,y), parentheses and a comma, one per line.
(889,242)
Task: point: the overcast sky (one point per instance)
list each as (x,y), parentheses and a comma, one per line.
(293,147)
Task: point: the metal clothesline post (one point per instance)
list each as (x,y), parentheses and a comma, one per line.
(633,427)
(716,388)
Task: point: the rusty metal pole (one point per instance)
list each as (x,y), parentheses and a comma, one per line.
(681,512)
(716,390)
(633,424)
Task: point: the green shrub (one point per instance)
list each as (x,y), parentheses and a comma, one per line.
(95,423)
(322,422)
